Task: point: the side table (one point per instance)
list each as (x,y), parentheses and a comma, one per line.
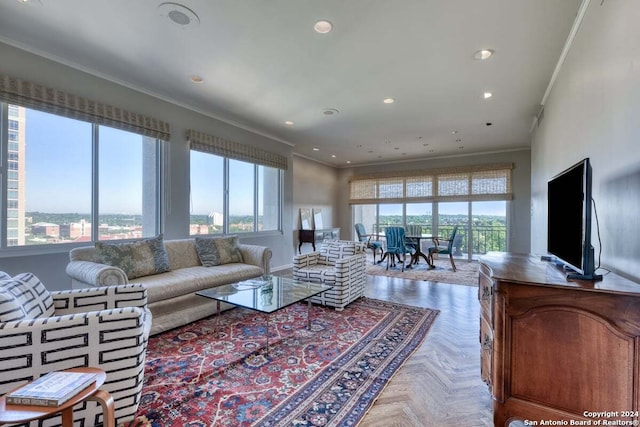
(13,414)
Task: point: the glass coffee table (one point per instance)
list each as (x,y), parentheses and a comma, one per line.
(265,294)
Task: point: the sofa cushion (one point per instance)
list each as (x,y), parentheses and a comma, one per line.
(141,258)
(187,280)
(218,250)
(24,297)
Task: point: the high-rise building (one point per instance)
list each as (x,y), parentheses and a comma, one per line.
(16,176)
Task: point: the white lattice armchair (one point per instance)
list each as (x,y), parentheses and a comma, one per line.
(337,263)
(105,327)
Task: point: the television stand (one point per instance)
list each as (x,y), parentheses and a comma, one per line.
(551,349)
(577,276)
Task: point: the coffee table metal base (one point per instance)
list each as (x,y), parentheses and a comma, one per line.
(264,294)
(266,315)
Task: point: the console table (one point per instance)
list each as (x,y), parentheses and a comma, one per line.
(553,349)
(313,236)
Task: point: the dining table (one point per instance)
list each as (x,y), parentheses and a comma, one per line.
(415,257)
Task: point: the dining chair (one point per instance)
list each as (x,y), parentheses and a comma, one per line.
(443,246)
(412,230)
(363,237)
(396,245)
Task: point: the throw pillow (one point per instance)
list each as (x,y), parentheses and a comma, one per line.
(24,297)
(218,250)
(142,258)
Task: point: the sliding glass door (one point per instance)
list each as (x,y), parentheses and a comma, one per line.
(482,226)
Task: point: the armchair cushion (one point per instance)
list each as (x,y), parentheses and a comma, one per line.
(24,297)
(317,273)
(136,259)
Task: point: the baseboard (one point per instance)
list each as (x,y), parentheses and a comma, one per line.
(282,267)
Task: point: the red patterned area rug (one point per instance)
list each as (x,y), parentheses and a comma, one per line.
(327,376)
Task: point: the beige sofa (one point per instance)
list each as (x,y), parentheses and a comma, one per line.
(171,295)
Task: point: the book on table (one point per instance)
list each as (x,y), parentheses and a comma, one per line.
(52,389)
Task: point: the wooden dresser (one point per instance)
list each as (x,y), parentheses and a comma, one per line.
(316,236)
(557,350)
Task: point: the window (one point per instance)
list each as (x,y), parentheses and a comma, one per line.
(207,194)
(242,195)
(128,185)
(69,181)
(251,202)
(268,181)
(475,198)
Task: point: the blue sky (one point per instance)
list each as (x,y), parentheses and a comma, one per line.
(453,208)
(58,166)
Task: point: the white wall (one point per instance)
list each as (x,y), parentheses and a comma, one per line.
(594,111)
(51,267)
(314,186)
(520,207)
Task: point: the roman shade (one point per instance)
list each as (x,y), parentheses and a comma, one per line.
(200,141)
(470,183)
(36,96)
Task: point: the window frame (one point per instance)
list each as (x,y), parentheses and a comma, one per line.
(226,202)
(7,250)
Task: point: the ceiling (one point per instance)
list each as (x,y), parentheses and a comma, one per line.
(262,64)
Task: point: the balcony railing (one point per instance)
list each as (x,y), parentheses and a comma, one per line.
(484,238)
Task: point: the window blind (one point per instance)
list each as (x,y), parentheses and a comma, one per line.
(32,95)
(234,150)
(474,183)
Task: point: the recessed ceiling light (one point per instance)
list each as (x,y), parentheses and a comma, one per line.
(349,161)
(483,54)
(333,155)
(288,123)
(196,79)
(388,100)
(487,95)
(454,132)
(323,26)
(330,112)
(180,15)
(316,149)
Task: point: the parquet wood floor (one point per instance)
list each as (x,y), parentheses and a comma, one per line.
(440,383)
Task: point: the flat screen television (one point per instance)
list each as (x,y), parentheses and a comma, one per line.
(569,221)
